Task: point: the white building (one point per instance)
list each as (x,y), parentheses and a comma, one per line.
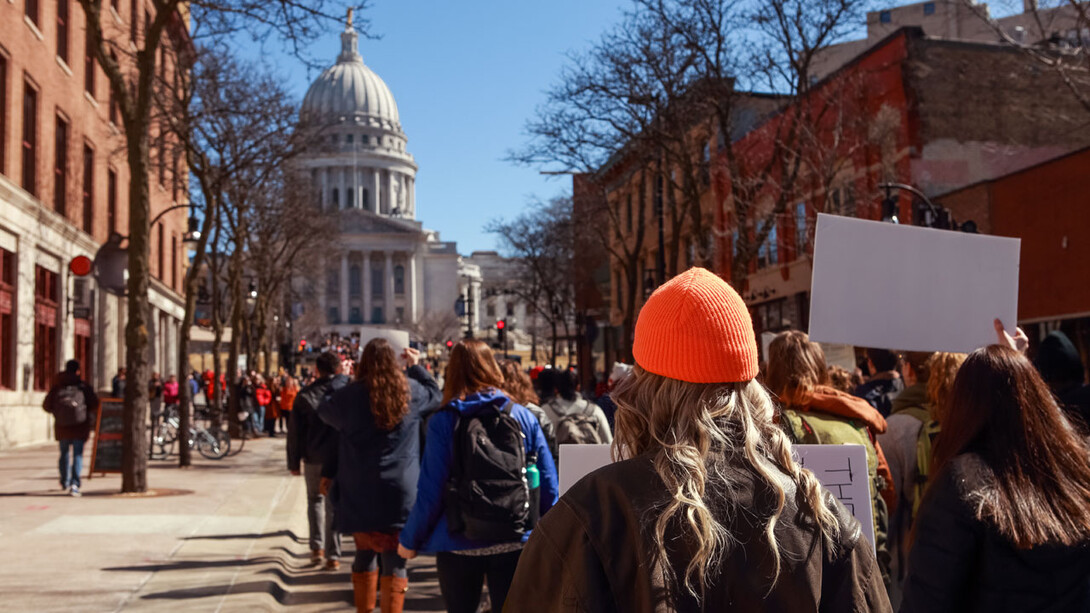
(391,272)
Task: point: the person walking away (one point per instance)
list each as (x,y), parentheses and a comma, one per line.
(1005,523)
(377,419)
(74,405)
(171,393)
(943,368)
(1061,367)
(476,500)
(310,441)
(288,393)
(814,413)
(263,401)
(576,420)
(117,385)
(884,383)
(155,400)
(909,412)
(705,508)
(518,387)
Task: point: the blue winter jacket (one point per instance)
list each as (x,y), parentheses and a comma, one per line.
(426,529)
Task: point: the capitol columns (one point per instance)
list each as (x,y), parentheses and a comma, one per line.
(390,309)
(410,288)
(344,288)
(378,191)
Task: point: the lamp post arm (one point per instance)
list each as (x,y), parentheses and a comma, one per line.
(913,191)
(167,210)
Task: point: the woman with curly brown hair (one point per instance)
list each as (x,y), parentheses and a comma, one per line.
(378,462)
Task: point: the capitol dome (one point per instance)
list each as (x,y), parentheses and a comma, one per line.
(350,91)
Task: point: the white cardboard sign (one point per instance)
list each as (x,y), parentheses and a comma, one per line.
(907,288)
(842,469)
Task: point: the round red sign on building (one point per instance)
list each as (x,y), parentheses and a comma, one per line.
(81,266)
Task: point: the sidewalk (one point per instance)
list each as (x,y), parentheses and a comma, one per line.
(226,535)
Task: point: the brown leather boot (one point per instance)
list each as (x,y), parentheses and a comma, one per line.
(393,594)
(364,590)
(316,556)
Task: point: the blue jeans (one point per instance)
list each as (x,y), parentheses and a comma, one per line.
(70,471)
(257,418)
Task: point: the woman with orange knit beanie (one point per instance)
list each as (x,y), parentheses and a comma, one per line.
(705,508)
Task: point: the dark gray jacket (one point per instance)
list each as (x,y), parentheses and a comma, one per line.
(309,438)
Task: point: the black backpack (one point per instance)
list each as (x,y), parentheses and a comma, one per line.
(488,496)
(70,406)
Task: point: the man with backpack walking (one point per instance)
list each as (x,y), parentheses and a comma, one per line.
(576,420)
(73,404)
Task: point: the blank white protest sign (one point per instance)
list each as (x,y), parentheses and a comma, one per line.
(907,288)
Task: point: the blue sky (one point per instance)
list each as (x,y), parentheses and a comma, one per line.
(466,77)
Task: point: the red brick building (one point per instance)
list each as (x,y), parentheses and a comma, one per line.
(63,190)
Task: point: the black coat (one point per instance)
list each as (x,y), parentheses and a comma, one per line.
(959,563)
(309,438)
(79,431)
(377,469)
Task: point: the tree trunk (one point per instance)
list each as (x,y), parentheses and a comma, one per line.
(185,404)
(134,440)
(552,354)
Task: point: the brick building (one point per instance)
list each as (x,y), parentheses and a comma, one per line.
(63,190)
(955,113)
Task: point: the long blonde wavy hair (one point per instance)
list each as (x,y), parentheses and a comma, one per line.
(691,431)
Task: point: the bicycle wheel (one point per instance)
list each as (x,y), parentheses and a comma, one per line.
(236,444)
(211,448)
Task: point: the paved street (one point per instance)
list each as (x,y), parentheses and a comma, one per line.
(221,536)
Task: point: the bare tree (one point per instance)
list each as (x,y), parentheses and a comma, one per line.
(133,76)
(541,242)
(438,326)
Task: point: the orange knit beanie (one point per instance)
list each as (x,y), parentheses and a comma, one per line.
(696,328)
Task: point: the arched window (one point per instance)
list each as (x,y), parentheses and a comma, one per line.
(399,280)
(335,199)
(349,198)
(355,284)
(377,282)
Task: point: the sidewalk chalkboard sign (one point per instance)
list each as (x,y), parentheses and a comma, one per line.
(106,453)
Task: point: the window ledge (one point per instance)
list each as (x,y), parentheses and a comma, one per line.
(33,28)
(64,66)
(117,18)
(90,98)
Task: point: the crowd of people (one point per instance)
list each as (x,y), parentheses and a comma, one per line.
(978,465)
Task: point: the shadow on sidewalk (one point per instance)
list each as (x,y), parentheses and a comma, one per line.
(270,587)
(250,535)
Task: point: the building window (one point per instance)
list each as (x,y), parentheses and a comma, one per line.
(335,198)
(377,289)
(734,243)
(89,66)
(161,151)
(928,8)
(355,284)
(177,181)
(399,280)
(332,283)
(363,139)
(490,310)
(111,200)
(885,17)
(349,139)
(334,315)
(162,254)
(173,262)
(365,202)
(30,138)
(349,198)
(377,316)
(31,9)
(45,327)
(509,309)
(3,111)
(768,253)
(88,189)
(82,337)
(400,314)
(355,316)
(60,167)
(801,231)
(628,213)
(134,14)
(114,107)
(7,319)
(62,30)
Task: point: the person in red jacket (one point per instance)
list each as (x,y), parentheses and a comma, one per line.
(263,397)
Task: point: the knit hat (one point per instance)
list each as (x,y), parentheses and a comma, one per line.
(696,328)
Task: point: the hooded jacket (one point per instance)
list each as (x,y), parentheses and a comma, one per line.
(309,438)
(595,552)
(426,529)
(377,469)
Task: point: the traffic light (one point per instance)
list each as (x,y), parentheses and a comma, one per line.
(302,345)
(501,331)
(450,345)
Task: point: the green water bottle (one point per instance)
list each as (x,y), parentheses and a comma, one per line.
(533,480)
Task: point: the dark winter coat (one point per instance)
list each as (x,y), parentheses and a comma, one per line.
(309,438)
(594,552)
(81,431)
(961,564)
(377,470)
(880,392)
(426,529)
